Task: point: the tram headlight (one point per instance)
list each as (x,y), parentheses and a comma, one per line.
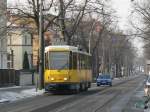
(52,78)
(65,78)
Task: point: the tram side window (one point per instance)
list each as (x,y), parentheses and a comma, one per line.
(46,60)
(90,62)
(70,61)
(86,62)
(79,59)
(74,60)
(82,61)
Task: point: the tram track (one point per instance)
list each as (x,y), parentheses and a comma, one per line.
(109,101)
(60,104)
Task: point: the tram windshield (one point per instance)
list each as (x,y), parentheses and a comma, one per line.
(59,60)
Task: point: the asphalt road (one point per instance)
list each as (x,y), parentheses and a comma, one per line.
(96,99)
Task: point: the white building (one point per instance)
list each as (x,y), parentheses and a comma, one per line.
(3,37)
(19,40)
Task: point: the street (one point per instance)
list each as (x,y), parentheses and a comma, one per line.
(96,99)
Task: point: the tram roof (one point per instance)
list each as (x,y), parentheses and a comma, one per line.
(61,48)
(64,48)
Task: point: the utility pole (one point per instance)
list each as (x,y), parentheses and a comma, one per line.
(90,43)
(41,47)
(62,17)
(90,36)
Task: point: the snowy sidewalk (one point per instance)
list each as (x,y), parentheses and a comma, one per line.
(10,94)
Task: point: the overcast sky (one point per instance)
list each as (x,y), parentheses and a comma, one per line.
(123,8)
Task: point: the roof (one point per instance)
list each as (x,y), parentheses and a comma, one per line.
(64,48)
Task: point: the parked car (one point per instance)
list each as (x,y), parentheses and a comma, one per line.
(104,79)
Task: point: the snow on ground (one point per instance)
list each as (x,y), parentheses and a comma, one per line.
(7,96)
(116,79)
(4,100)
(12,87)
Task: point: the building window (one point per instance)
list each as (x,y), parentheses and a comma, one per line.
(25,37)
(1,60)
(0,43)
(9,57)
(10,40)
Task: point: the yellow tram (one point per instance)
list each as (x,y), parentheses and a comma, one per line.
(67,68)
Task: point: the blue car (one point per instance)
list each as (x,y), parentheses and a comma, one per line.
(104,80)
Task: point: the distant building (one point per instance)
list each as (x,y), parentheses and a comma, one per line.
(3,39)
(148,67)
(19,40)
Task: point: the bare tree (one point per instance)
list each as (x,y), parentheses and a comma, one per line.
(3,31)
(2,19)
(142,9)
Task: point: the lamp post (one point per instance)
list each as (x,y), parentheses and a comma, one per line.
(41,47)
